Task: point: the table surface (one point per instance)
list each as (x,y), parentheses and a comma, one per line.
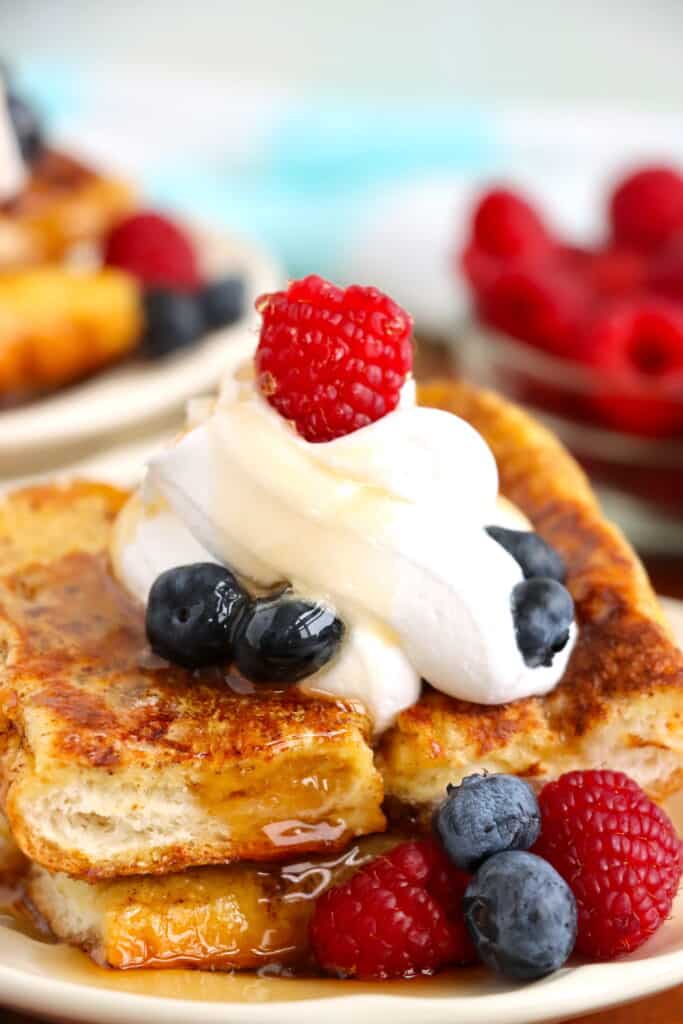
(667,576)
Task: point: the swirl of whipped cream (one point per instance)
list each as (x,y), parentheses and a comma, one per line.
(386,525)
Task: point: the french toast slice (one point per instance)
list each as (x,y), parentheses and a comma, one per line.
(116,763)
(58,324)
(64,203)
(620,703)
(238,916)
(88,732)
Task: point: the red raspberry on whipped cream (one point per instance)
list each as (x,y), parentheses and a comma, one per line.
(332,360)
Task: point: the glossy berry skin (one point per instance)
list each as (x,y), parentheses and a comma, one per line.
(332,360)
(534,555)
(154,250)
(646,208)
(618,851)
(507,227)
(543,611)
(486,814)
(521,915)
(399,916)
(192,614)
(173,321)
(27,126)
(283,639)
(222,301)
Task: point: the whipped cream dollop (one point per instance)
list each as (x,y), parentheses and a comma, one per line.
(385,525)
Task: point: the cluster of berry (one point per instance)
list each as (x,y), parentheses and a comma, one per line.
(616,308)
(592,864)
(199,615)
(179,307)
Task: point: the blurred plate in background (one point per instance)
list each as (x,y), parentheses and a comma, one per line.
(62,428)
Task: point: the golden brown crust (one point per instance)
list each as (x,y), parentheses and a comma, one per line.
(58,324)
(240,916)
(79,697)
(64,202)
(84,699)
(622,695)
(539,475)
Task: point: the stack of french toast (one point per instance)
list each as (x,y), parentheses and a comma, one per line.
(60,317)
(167,819)
(87,277)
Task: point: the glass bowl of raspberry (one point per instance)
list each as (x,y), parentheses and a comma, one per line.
(591,339)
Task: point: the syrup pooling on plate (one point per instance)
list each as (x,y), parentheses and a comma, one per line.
(274,902)
(181,921)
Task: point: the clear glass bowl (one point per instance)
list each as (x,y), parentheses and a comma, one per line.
(640,478)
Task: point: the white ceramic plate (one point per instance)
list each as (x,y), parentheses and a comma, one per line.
(57,983)
(138,392)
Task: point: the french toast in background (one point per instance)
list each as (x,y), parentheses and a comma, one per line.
(86,277)
(64,203)
(57,325)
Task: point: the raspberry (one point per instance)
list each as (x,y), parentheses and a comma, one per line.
(399,916)
(617,851)
(640,347)
(542,307)
(616,271)
(646,209)
(507,227)
(153,249)
(665,275)
(479,267)
(332,360)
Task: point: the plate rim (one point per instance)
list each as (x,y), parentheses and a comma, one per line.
(19,433)
(523,1004)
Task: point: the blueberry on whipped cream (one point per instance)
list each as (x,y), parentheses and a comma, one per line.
(534,555)
(282,639)
(543,613)
(199,615)
(384,525)
(193,612)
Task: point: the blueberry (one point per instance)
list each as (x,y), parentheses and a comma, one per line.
(484,815)
(283,639)
(543,611)
(192,614)
(521,915)
(27,126)
(222,301)
(173,320)
(535,556)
